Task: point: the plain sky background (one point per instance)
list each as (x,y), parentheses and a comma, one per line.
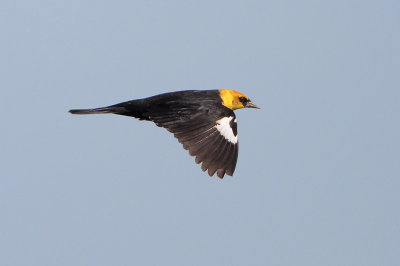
(318,176)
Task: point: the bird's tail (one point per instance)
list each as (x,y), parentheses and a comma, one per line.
(102,110)
(134,108)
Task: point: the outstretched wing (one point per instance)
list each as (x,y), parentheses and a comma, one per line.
(207,132)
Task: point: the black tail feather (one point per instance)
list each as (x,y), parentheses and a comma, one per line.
(103,110)
(135,108)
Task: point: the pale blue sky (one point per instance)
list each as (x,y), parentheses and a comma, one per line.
(317,180)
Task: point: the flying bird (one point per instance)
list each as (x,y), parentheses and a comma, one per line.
(202,120)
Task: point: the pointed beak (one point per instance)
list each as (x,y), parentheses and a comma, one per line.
(251,105)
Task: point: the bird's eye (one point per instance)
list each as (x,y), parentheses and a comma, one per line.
(243,99)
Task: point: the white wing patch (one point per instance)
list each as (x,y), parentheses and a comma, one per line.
(224,127)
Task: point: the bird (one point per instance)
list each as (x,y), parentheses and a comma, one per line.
(203,121)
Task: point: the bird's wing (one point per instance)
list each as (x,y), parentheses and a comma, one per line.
(208,133)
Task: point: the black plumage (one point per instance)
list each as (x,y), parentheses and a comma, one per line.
(192,117)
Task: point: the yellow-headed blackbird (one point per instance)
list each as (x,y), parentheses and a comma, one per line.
(202,120)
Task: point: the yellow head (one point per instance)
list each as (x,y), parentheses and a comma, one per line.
(235,100)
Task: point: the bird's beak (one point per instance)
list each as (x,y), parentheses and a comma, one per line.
(250,104)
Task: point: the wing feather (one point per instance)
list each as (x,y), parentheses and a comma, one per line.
(195,128)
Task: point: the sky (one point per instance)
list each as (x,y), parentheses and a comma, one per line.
(317,180)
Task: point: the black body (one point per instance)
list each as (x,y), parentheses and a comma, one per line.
(191,116)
